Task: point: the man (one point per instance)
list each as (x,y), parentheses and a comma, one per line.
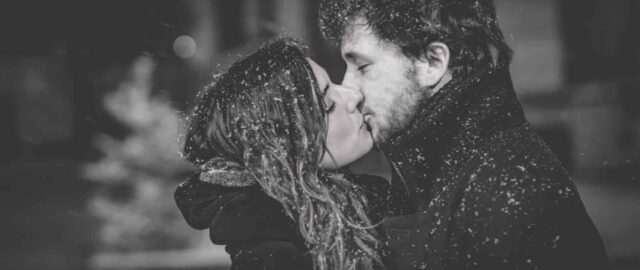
(485,191)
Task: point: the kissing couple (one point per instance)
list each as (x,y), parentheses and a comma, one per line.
(464,182)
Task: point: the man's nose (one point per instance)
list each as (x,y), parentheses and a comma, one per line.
(348,80)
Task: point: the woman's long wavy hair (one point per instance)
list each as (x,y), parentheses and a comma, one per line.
(266,114)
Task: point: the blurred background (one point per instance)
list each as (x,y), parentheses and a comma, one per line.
(92,94)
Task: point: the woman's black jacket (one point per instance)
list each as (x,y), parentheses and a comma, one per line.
(253,226)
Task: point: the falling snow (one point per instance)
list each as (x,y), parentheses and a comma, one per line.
(487,180)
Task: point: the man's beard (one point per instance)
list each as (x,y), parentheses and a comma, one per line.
(403,109)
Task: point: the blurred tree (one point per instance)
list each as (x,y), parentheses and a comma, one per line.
(138,174)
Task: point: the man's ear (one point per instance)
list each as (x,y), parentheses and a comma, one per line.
(433,65)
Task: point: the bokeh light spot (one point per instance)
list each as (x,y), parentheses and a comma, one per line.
(185,47)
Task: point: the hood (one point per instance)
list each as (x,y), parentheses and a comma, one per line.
(233,215)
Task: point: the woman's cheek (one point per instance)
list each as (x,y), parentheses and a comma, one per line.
(338,133)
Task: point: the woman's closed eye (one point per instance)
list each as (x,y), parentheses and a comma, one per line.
(329,105)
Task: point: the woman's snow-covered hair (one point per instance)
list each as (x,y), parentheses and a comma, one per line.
(266,114)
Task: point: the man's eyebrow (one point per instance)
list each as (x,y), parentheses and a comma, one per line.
(354,56)
(349,55)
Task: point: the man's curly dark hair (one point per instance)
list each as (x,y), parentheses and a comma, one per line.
(468,27)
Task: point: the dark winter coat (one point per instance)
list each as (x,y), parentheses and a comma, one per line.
(486,190)
(253,226)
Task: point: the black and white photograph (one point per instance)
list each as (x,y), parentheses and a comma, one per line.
(320,135)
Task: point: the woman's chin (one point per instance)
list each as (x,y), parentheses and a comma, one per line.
(367,136)
(366,143)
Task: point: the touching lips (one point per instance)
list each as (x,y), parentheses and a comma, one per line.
(365,124)
(366,118)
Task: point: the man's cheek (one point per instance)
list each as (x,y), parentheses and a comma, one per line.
(372,76)
(385,99)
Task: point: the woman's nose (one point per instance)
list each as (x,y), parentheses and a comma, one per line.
(352,97)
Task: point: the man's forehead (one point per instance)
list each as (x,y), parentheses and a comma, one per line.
(355,27)
(357,39)
(360,41)
(352,23)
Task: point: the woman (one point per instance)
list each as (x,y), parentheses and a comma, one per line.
(274,124)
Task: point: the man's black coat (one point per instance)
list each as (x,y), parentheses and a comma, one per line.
(486,191)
